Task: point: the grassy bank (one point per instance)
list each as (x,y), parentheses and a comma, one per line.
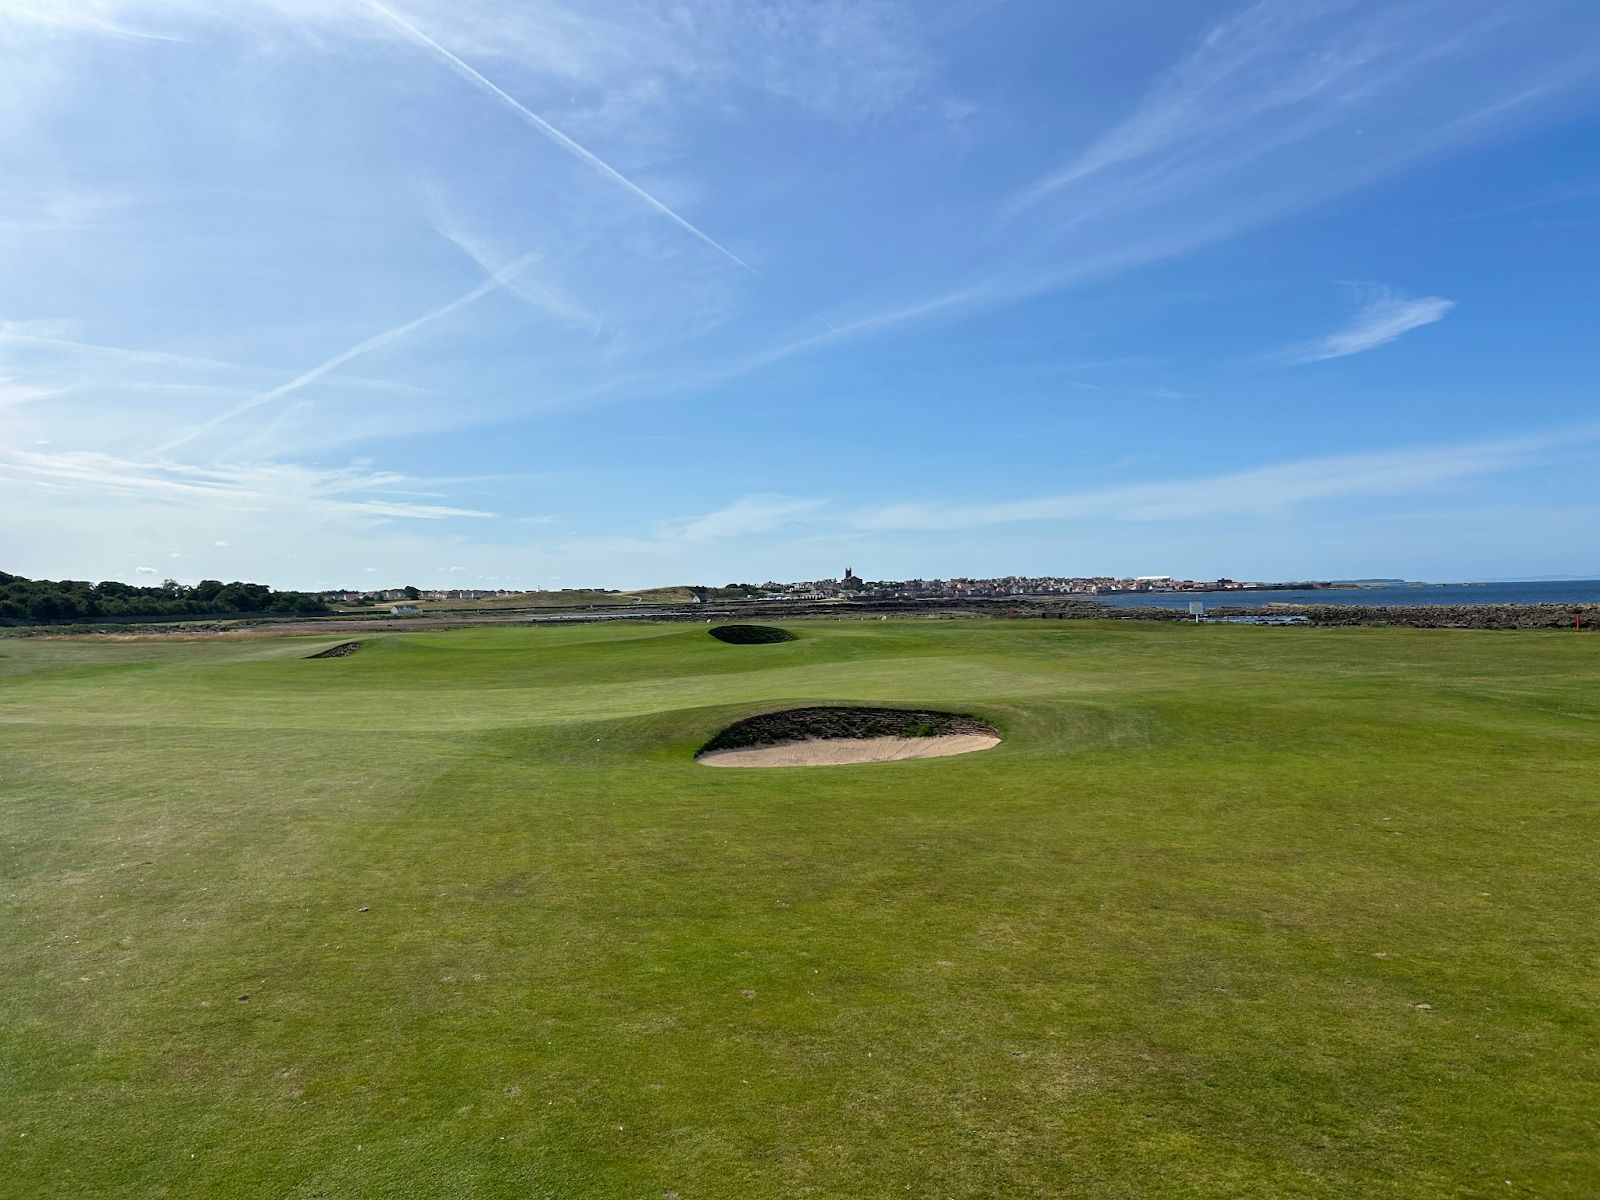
(1231,911)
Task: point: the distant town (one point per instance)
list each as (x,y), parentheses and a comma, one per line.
(852,586)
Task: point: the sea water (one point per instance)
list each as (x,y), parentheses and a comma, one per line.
(1579,591)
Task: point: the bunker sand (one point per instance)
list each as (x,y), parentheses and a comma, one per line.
(831,752)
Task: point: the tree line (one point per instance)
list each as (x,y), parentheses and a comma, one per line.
(46,600)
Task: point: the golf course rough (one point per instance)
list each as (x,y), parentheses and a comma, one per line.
(1242,912)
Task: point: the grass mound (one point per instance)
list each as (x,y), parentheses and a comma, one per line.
(342,650)
(809,724)
(750,635)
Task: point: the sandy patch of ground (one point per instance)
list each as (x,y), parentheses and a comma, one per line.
(830,752)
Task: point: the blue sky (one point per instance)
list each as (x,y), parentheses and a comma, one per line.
(513,293)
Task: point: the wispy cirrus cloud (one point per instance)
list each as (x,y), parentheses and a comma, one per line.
(1383,316)
(51,335)
(1272,75)
(278,488)
(51,339)
(475,77)
(14,394)
(1252,124)
(745,516)
(365,346)
(81,16)
(849,61)
(767,517)
(63,209)
(540,294)
(813,136)
(1208,153)
(1268,491)
(103,516)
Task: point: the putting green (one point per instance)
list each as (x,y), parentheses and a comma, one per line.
(1243,912)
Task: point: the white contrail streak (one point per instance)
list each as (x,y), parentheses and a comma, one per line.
(493,283)
(554,134)
(18,333)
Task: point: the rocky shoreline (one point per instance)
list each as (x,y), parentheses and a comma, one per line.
(1432,616)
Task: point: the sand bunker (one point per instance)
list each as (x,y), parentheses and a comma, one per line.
(821,737)
(339,651)
(833,752)
(750,635)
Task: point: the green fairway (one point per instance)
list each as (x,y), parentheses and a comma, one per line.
(1241,912)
